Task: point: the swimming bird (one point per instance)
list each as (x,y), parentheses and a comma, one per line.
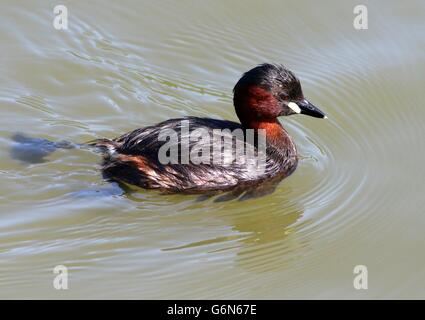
(261,96)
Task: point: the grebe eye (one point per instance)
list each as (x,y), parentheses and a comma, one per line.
(283,96)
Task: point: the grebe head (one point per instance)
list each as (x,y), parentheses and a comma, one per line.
(270,91)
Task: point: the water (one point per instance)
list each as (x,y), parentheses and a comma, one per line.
(357,197)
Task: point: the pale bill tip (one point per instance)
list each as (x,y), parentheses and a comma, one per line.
(325,117)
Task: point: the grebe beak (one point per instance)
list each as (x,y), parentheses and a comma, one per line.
(307,108)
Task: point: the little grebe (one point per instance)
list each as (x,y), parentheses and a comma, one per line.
(263,94)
